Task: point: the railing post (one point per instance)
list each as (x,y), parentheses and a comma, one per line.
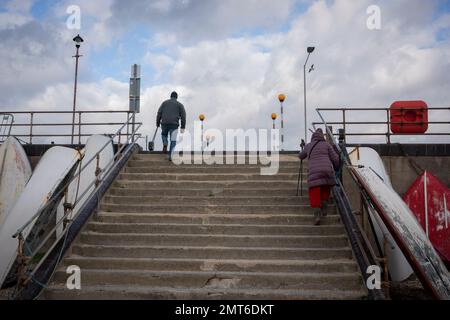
(67,207)
(388,133)
(386,283)
(98,171)
(31,127)
(79,127)
(23,260)
(128,126)
(343,120)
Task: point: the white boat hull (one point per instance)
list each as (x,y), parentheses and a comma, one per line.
(94,144)
(15,171)
(51,171)
(399,267)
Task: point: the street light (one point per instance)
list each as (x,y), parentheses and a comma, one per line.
(309,50)
(274,117)
(202,119)
(78,40)
(282,98)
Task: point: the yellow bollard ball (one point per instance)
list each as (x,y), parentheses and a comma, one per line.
(202,117)
(274,116)
(281,97)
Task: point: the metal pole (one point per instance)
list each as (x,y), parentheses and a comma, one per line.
(388,133)
(282,126)
(133,126)
(304,95)
(202,139)
(31,127)
(300,178)
(77,56)
(79,127)
(425,191)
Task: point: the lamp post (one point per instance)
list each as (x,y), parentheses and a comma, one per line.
(282,98)
(309,50)
(202,119)
(274,117)
(77,40)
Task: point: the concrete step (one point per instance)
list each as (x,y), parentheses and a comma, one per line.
(209,240)
(210,185)
(220,252)
(218,280)
(207,209)
(225,158)
(167,231)
(276,219)
(125,292)
(298,266)
(205,192)
(142,168)
(211,200)
(208,177)
(228,229)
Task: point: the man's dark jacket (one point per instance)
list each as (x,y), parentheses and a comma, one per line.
(170,113)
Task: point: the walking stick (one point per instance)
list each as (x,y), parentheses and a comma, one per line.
(300,172)
(151,144)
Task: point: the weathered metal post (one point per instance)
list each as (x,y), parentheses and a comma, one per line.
(31,127)
(282,98)
(98,171)
(77,40)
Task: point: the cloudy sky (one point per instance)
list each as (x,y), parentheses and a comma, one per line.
(227,59)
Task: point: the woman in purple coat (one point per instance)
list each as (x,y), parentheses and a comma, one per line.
(322,162)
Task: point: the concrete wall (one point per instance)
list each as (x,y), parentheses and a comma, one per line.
(403,174)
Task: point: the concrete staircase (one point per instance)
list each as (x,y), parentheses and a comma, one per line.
(209,232)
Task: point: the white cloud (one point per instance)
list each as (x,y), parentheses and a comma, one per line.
(19,5)
(235,80)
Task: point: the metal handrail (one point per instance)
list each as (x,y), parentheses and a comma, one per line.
(388,123)
(362,248)
(20,230)
(7,124)
(96,181)
(31,123)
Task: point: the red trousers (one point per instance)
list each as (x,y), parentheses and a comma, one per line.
(318,194)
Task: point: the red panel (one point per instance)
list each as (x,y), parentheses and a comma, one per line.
(438,211)
(409,117)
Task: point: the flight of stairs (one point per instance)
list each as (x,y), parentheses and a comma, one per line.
(209,232)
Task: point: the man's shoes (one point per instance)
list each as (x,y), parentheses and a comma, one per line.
(317,217)
(164,149)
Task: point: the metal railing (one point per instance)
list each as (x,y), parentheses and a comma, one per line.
(27,129)
(26,268)
(6,124)
(383,127)
(362,248)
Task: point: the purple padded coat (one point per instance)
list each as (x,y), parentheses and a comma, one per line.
(321,162)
